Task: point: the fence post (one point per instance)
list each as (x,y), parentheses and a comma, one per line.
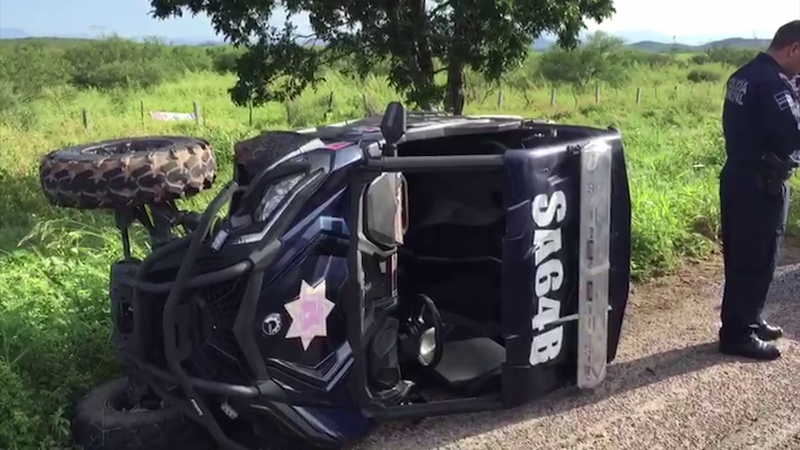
(250,108)
(597,94)
(85,114)
(638,96)
(365,100)
(500,99)
(553,97)
(289,117)
(196,107)
(141,110)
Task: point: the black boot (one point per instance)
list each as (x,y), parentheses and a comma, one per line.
(767,332)
(749,347)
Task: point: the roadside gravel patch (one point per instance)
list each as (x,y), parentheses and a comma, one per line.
(667,389)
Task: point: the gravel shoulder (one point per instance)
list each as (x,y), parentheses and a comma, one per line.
(667,389)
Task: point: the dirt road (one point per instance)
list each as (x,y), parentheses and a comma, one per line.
(667,389)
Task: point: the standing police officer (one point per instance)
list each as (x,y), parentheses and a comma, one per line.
(761,123)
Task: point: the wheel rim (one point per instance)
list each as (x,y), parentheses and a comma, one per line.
(119,401)
(132,146)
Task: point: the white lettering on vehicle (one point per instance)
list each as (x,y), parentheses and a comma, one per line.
(549,275)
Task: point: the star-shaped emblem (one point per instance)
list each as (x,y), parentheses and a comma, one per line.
(309,314)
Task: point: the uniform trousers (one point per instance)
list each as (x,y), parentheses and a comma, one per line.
(753,226)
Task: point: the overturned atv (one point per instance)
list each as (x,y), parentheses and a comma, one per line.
(398,267)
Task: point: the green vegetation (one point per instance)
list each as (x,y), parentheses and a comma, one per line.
(416,41)
(54,330)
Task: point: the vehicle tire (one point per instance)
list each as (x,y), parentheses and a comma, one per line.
(102,422)
(127,172)
(252,156)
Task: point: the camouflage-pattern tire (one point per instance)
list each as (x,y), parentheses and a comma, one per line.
(251,156)
(127,172)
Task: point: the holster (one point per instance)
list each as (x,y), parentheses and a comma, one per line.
(776,171)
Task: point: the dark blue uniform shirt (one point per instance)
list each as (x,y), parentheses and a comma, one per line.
(761,113)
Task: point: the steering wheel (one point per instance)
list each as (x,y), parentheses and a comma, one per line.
(425,327)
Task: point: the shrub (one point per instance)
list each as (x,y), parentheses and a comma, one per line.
(190,58)
(118,63)
(27,68)
(659,59)
(730,56)
(703,76)
(9,100)
(600,59)
(224,59)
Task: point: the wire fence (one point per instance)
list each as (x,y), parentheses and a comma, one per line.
(487,99)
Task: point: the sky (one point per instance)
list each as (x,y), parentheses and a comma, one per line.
(690,21)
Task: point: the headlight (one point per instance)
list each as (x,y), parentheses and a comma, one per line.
(275,195)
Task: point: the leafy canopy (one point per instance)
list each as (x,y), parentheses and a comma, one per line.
(416,39)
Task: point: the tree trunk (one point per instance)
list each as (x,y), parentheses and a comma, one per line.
(455,68)
(455,88)
(424,54)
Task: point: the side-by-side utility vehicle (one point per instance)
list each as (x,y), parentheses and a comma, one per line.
(401,266)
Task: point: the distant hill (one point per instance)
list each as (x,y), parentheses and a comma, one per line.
(12,33)
(51,42)
(19,34)
(650,43)
(653,46)
(661,47)
(740,43)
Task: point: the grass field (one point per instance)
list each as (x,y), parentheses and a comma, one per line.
(54,330)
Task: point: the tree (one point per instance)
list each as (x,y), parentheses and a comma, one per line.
(417,39)
(600,59)
(733,56)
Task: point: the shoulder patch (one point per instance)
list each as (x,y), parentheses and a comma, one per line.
(784,100)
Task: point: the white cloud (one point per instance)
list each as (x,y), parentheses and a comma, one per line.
(702,17)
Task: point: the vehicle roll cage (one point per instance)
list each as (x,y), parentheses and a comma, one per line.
(595,154)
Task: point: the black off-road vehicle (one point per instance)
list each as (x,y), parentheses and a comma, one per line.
(396,267)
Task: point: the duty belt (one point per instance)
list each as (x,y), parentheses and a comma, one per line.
(777,171)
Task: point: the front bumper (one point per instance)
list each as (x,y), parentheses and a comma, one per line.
(156,332)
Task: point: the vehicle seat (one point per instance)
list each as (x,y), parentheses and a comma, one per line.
(471,365)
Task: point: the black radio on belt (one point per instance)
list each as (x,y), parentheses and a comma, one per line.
(781,165)
(778,171)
